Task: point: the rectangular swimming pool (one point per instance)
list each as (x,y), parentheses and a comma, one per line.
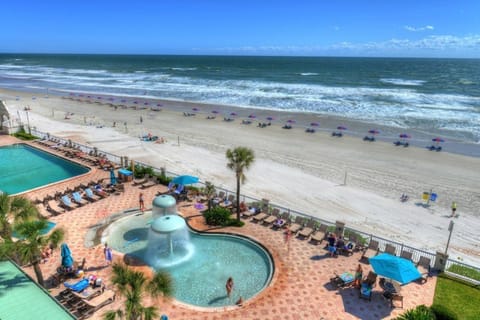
(23,168)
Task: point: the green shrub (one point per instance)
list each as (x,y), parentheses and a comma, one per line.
(21,134)
(141,171)
(219,216)
(163,179)
(360,238)
(443,313)
(421,312)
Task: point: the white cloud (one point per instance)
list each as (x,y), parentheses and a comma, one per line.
(418,29)
(431,46)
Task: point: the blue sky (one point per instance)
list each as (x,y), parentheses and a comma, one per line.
(407,28)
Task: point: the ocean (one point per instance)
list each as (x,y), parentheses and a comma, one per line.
(441,95)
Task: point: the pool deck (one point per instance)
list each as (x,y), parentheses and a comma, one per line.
(300,288)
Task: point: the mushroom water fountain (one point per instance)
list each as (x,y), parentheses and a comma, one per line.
(168,241)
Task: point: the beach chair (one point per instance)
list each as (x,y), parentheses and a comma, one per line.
(179,189)
(137,182)
(77,198)
(272,217)
(390,249)
(320,234)
(53,207)
(150,183)
(89,195)
(66,203)
(307,230)
(277,224)
(90,306)
(259,217)
(297,225)
(406,255)
(423,267)
(250,212)
(371,251)
(78,286)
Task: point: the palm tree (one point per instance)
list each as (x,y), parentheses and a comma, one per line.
(209,191)
(239,159)
(133,285)
(14,210)
(29,247)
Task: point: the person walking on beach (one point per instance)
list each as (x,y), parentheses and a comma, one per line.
(229,286)
(454,208)
(107,251)
(141,202)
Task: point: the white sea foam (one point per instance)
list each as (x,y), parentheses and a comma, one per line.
(309,74)
(403,82)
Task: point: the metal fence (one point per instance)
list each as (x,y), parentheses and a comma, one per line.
(399,247)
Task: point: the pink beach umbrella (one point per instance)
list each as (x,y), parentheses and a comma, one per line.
(314,124)
(291,121)
(341,128)
(233,114)
(373,131)
(251,116)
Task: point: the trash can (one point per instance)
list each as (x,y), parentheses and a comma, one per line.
(125,175)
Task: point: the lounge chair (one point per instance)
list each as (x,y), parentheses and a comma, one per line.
(406,255)
(66,203)
(137,182)
(423,267)
(259,217)
(307,230)
(78,286)
(150,183)
(319,234)
(390,249)
(277,224)
(272,217)
(77,198)
(179,189)
(90,196)
(53,207)
(251,212)
(297,225)
(371,251)
(92,305)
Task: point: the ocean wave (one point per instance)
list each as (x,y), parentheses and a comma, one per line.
(182,69)
(308,74)
(403,82)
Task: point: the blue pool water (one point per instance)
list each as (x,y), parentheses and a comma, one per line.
(200,281)
(23,168)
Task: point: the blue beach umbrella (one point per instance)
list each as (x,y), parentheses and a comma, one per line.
(113,179)
(185,180)
(395,268)
(67,260)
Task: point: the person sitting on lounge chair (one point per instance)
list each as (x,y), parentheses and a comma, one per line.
(279,222)
(243,206)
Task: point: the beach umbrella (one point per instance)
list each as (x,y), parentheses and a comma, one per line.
(269,118)
(314,124)
(438,140)
(290,121)
(159,104)
(404,136)
(214,111)
(99,98)
(195,109)
(341,128)
(136,102)
(395,268)
(113,179)
(252,116)
(373,131)
(145,103)
(233,113)
(67,260)
(186,179)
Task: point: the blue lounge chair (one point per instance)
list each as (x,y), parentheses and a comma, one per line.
(77,198)
(179,189)
(78,286)
(89,195)
(66,203)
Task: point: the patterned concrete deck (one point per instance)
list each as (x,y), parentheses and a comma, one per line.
(300,288)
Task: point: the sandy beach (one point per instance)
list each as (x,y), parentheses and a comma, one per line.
(293,169)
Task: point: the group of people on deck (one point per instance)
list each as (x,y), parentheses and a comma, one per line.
(337,245)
